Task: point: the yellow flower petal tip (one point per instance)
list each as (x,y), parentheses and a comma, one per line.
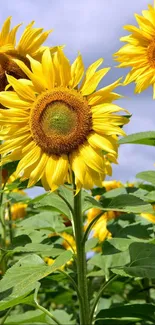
(53,126)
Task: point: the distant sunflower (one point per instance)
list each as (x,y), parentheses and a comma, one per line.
(139,53)
(55,127)
(29,43)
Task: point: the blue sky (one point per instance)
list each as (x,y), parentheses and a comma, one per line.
(94,27)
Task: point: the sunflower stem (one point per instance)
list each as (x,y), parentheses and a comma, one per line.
(81,259)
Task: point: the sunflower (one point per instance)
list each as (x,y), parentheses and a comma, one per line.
(139,52)
(111,185)
(54,127)
(29,43)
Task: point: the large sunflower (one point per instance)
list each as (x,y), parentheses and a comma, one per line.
(29,43)
(139,53)
(54,127)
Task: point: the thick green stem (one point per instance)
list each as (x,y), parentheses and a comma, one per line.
(81,260)
(10,222)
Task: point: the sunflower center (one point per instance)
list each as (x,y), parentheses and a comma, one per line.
(151,53)
(59,118)
(60,121)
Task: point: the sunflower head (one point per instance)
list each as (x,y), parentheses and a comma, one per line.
(111,185)
(58,123)
(18,211)
(29,43)
(139,52)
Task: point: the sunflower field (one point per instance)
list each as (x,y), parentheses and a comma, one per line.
(83,251)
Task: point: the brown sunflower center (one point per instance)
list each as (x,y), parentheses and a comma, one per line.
(151,53)
(7,65)
(60,121)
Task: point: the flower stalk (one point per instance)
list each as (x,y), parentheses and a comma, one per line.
(81,259)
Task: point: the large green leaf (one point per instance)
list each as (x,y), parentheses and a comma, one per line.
(50,220)
(127,203)
(16,197)
(148,176)
(29,317)
(43,249)
(89,202)
(52,201)
(147,138)
(141,311)
(151,196)
(105,262)
(22,277)
(115,192)
(62,317)
(142,260)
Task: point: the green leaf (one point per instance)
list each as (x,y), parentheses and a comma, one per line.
(127,203)
(43,249)
(135,230)
(22,277)
(89,202)
(148,176)
(21,240)
(15,197)
(62,317)
(105,262)
(115,192)
(142,260)
(116,245)
(91,243)
(67,193)
(151,196)
(52,200)
(147,138)
(50,220)
(29,317)
(141,311)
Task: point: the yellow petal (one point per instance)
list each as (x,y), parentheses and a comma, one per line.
(29,158)
(9,146)
(38,83)
(60,171)
(77,71)
(33,49)
(105,143)
(107,129)
(38,172)
(45,182)
(92,68)
(24,91)
(96,178)
(36,67)
(48,69)
(145,37)
(50,168)
(10,99)
(12,35)
(5,31)
(90,85)
(106,108)
(27,37)
(145,24)
(92,158)
(64,68)
(103,92)
(78,166)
